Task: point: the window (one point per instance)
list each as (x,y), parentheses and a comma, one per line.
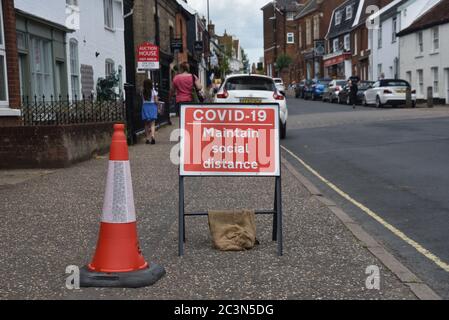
(290,16)
(394,28)
(379,70)
(355,43)
(308,32)
(250,83)
(72,2)
(108,14)
(74,68)
(41,67)
(435,39)
(3,75)
(120,80)
(347,43)
(316,27)
(335,45)
(290,37)
(420,80)
(379,37)
(419,42)
(110,67)
(348,12)
(300,37)
(436,88)
(337,18)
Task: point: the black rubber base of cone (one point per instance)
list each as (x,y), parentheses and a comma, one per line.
(135,279)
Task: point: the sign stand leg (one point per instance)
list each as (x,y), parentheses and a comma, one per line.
(181,217)
(279,216)
(275,209)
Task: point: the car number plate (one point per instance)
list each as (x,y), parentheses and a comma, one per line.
(250,100)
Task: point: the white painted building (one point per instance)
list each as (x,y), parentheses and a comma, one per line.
(383,42)
(424,53)
(66,46)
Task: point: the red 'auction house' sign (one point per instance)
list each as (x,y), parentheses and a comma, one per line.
(221,140)
(148,56)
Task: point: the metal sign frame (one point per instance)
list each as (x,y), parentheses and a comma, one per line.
(277,232)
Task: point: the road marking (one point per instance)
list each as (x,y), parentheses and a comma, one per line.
(429,255)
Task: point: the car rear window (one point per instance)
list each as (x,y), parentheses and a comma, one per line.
(394,83)
(250,83)
(365,85)
(324,82)
(277,80)
(341,83)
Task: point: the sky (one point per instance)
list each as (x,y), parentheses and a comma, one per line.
(242,18)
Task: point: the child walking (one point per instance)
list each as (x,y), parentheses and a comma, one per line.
(149,110)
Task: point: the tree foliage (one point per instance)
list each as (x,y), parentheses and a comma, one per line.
(283,62)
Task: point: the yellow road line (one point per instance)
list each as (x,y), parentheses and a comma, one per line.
(429,255)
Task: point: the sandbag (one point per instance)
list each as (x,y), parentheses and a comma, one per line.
(233,230)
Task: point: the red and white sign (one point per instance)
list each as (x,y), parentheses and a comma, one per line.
(148,56)
(226,140)
(336,60)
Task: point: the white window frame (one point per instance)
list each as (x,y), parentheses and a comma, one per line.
(47,76)
(420,42)
(435,40)
(108,7)
(379,36)
(347,42)
(355,43)
(394,27)
(290,16)
(336,45)
(290,38)
(436,85)
(337,17)
(349,12)
(109,67)
(3,103)
(74,67)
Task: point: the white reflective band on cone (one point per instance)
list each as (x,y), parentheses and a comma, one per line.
(119,199)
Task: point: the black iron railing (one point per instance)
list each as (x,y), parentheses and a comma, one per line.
(62,111)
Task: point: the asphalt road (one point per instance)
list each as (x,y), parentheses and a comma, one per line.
(393,161)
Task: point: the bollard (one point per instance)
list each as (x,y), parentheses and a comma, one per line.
(408,97)
(430,97)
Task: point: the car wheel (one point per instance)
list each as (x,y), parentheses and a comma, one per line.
(378,102)
(283,130)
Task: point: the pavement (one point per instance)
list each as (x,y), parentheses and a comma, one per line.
(50,220)
(390,163)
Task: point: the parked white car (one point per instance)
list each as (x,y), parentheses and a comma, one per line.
(279,85)
(244,88)
(388,92)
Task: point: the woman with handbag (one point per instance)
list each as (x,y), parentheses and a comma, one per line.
(150,102)
(186,86)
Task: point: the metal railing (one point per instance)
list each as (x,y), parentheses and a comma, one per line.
(62,111)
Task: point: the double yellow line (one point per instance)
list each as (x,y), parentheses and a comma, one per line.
(429,255)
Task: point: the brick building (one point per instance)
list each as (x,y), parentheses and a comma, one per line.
(280,35)
(9,66)
(312,23)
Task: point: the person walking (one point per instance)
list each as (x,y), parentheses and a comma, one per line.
(149,110)
(353,85)
(184,86)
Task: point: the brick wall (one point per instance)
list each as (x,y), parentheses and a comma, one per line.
(52,146)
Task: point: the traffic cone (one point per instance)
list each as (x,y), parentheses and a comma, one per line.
(118,260)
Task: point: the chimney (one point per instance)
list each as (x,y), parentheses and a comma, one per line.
(211,29)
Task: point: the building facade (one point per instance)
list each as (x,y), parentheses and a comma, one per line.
(424,53)
(391,19)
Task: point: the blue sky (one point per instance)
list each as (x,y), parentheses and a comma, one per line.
(242,18)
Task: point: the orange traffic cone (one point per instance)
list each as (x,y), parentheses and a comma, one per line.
(118,261)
